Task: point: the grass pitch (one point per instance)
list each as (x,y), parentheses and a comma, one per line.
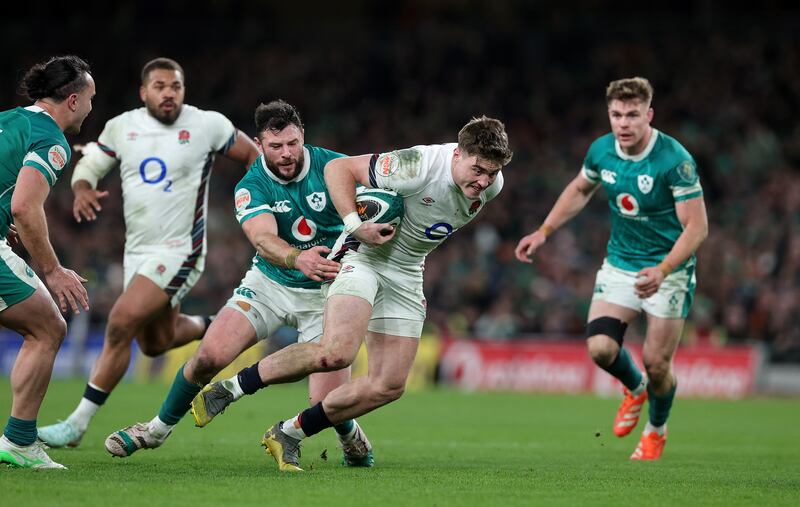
(438,447)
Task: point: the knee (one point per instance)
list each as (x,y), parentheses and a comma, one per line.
(204,366)
(55,331)
(335,356)
(657,367)
(151,348)
(602,349)
(388,392)
(120,329)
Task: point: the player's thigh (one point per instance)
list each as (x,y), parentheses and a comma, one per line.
(614,288)
(345,325)
(141,301)
(36,316)
(390,358)
(400,306)
(230,334)
(175,274)
(674,297)
(261,301)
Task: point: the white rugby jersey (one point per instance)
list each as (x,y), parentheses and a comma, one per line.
(435,207)
(165,171)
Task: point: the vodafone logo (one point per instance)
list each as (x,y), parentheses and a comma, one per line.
(627,204)
(304,229)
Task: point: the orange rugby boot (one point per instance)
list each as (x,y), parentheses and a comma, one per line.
(650,447)
(628,413)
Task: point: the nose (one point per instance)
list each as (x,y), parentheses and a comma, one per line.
(286,152)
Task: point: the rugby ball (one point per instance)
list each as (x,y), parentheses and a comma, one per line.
(379,206)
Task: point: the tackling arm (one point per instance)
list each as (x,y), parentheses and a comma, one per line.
(262,231)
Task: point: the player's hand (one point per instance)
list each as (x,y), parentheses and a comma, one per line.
(87,202)
(79,148)
(373,234)
(528,245)
(648,281)
(12,236)
(313,264)
(67,286)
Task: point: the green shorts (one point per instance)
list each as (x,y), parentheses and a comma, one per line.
(18,282)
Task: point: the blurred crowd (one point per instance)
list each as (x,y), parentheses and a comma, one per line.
(727,85)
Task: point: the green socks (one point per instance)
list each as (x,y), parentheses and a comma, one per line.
(179,399)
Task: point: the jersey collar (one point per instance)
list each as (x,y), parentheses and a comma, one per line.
(38,109)
(641,156)
(300,175)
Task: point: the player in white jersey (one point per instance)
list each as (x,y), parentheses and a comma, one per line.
(165,151)
(378,291)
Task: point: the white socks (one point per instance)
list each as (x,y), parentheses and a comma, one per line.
(82,415)
(649,428)
(159,428)
(232,385)
(292,428)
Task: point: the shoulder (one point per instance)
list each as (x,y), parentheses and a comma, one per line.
(601,145)
(322,155)
(671,149)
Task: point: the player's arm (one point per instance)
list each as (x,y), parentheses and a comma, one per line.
(243,150)
(341,176)
(692,215)
(27,208)
(91,168)
(262,231)
(571,201)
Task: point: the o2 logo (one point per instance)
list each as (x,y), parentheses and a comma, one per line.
(153,171)
(439,232)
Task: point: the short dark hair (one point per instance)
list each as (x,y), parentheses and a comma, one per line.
(276,116)
(57,79)
(486,138)
(161,63)
(633,88)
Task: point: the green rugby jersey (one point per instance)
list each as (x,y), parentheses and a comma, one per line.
(28,137)
(642,191)
(302,208)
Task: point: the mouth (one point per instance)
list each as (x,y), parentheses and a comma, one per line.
(475,188)
(167,106)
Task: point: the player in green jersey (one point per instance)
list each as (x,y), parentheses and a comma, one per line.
(33,154)
(284,208)
(658,222)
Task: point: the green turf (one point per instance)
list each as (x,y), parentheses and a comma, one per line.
(431,448)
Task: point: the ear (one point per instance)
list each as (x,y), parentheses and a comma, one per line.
(456,153)
(142,92)
(258,144)
(650,114)
(72,102)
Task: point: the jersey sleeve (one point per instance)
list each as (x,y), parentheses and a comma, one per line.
(684,182)
(251,199)
(49,156)
(220,130)
(589,168)
(98,158)
(403,171)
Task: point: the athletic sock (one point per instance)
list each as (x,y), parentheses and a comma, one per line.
(345,430)
(179,399)
(93,399)
(624,369)
(250,380)
(649,428)
(292,428)
(159,428)
(313,420)
(232,385)
(659,406)
(20,431)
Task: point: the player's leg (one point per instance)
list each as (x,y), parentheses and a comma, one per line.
(228,336)
(390,360)
(614,305)
(169,329)
(661,342)
(141,300)
(37,319)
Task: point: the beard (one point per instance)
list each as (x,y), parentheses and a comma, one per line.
(276,169)
(167,118)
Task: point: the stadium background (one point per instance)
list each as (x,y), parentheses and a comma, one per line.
(372,76)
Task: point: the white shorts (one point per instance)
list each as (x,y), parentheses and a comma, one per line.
(269,305)
(672,301)
(18,282)
(173,272)
(394,291)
